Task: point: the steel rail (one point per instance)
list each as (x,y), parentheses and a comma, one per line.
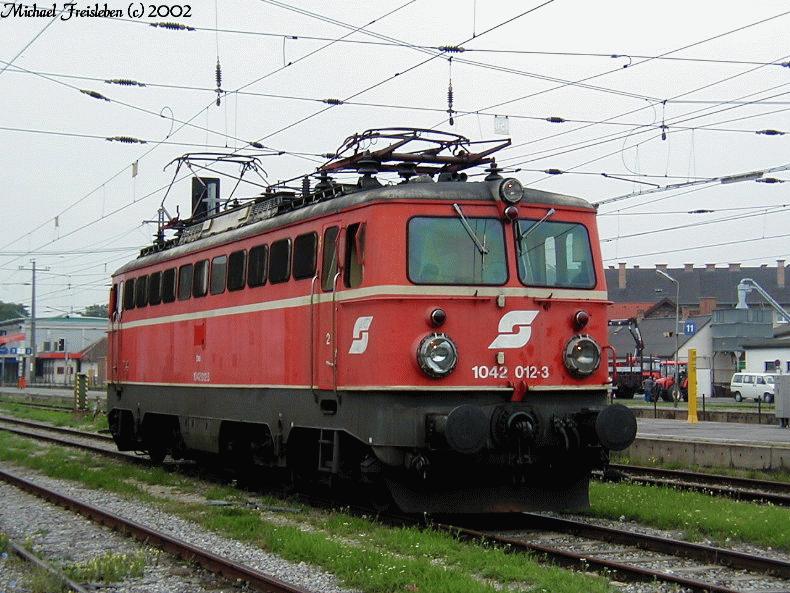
(666,545)
(31,558)
(67,443)
(189,552)
(734,493)
(718,479)
(40,406)
(584,561)
(59,429)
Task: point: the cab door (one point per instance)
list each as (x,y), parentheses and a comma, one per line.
(115,314)
(323,310)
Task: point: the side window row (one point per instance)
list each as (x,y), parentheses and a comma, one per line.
(273,263)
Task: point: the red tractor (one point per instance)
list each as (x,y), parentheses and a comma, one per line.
(665,385)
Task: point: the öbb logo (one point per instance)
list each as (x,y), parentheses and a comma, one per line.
(514,329)
(360,342)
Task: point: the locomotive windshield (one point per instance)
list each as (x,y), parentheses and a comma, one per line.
(554,254)
(444,251)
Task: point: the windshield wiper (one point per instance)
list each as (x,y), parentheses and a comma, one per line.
(537,224)
(480,245)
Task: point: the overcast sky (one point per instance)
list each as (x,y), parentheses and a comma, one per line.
(77,194)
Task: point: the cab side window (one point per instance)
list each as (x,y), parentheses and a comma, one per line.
(329,258)
(305,247)
(219,266)
(280,261)
(141,292)
(155,288)
(128,294)
(236,270)
(185,282)
(355,255)
(169,285)
(200,279)
(257,266)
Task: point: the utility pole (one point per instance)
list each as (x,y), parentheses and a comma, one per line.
(33,348)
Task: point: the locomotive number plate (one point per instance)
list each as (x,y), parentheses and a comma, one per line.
(503,372)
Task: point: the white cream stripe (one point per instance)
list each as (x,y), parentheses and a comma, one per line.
(381,291)
(373,387)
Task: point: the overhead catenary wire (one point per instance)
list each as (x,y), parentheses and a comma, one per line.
(291,36)
(188,122)
(397,74)
(417,108)
(647,60)
(698,247)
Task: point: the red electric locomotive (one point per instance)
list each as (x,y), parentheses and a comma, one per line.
(433,335)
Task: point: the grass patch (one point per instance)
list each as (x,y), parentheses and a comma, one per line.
(698,515)
(729,405)
(3,542)
(43,581)
(490,562)
(378,560)
(55,417)
(108,568)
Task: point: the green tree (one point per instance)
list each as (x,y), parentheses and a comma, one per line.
(12,310)
(95,311)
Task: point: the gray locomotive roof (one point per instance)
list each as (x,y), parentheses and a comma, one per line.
(443,190)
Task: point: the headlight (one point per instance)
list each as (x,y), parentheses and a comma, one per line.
(511,191)
(437,355)
(582,355)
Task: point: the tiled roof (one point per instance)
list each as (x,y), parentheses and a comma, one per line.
(719,283)
(626,310)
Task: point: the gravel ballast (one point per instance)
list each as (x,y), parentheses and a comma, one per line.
(61,534)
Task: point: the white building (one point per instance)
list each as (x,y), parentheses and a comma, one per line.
(60,342)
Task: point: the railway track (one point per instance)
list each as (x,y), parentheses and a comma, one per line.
(39,406)
(27,556)
(537,533)
(207,559)
(577,543)
(749,489)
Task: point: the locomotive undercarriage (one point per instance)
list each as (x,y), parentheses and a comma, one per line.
(432,452)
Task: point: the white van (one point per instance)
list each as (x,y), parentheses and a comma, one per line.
(757,386)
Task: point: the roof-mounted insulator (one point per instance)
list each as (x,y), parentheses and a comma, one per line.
(770,132)
(126,140)
(769,180)
(555,120)
(173,26)
(553,171)
(332,101)
(124,82)
(451,49)
(305,187)
(493,171)
(94,94)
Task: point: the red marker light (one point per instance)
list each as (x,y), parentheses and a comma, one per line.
(580,320)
